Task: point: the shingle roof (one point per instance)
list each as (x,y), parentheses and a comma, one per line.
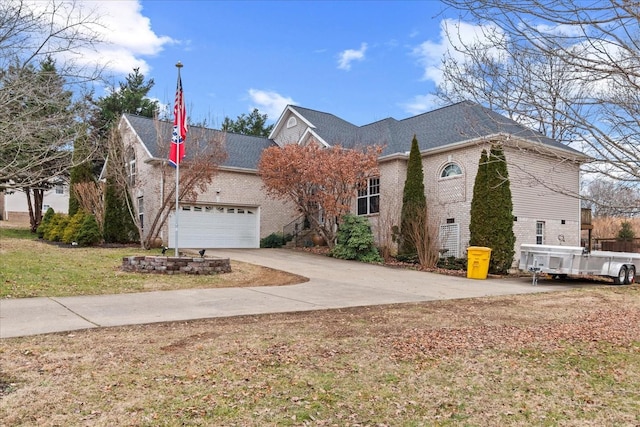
(243,151)
(438,128)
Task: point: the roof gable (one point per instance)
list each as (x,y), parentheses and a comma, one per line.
(454,124)
(243,151)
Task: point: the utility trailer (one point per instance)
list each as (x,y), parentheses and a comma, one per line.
(562,261)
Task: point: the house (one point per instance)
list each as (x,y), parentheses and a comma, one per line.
(233,212)
(544,176)
(14,208)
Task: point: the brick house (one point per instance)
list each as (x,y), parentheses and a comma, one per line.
(544,174)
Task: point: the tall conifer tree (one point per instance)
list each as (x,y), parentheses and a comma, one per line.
(414,201)
(502,239)
(479,227)
(491,222)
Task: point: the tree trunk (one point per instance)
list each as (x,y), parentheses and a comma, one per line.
(35,206)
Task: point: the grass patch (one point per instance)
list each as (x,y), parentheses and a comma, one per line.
(355,366)
(34,268)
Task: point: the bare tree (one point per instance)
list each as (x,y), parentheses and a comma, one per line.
(39,119)
(611,199)
(421,231)
(574,65)
(90,197)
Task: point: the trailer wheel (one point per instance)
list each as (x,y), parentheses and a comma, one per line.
(631,275)
(621,278)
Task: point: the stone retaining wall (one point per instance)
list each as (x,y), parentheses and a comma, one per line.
(175,265)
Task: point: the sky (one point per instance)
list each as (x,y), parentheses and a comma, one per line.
(360,60)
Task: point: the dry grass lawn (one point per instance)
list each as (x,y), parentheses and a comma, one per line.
(550,359)
(570,359)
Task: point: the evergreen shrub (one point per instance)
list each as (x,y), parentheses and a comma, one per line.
(45,223)
(70,234)
(355,240)
(273,240)
(89,232)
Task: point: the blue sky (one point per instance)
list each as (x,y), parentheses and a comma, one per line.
(360,60)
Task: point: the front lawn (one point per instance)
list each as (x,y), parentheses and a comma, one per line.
(32,268)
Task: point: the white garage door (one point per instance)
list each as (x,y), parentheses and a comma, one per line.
(216,227)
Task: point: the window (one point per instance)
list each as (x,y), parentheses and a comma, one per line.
(131,155)
(141,211)
(539,232)
(451,169)
(369,198)
(291,122)
(59,189)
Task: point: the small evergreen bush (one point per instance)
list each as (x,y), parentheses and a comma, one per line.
(45,223)
(355,240)
(452,263)
(626,231)
(56,228)
(70,234)
(89,232)
(273,240)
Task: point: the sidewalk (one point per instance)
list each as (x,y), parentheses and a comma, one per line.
(333,284)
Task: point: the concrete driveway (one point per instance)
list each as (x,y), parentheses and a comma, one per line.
(333,284)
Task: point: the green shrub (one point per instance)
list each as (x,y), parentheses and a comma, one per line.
(70,234)
(626,231)
(55,230)
(89,232)
(355,240)
(408,258)
(45,223)
(452,263)
(273,240)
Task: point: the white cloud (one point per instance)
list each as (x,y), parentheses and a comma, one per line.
(422,103)
(430,53)
(126,35)
(268,102)
(348,56)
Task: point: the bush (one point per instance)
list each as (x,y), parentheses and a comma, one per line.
(45,223)
(626,231)
(56,227)
(452,263)
(408,258)
(273,240)
(70,234)
(89,232)
(355,240)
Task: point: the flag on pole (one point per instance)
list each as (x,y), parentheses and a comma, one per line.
(176,153)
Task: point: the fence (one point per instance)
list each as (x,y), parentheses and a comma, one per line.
(614,245)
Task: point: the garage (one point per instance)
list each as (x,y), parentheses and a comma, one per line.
(216,226)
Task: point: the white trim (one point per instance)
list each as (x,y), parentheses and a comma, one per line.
(310,133)
(281,123)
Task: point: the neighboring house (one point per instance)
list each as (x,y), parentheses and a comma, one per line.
(543,173)
(15,207)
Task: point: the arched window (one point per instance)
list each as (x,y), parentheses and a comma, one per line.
(291,122)
(451,169)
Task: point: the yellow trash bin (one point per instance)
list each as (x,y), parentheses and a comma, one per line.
(478,262)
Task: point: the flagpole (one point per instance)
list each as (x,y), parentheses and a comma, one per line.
(178,66)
